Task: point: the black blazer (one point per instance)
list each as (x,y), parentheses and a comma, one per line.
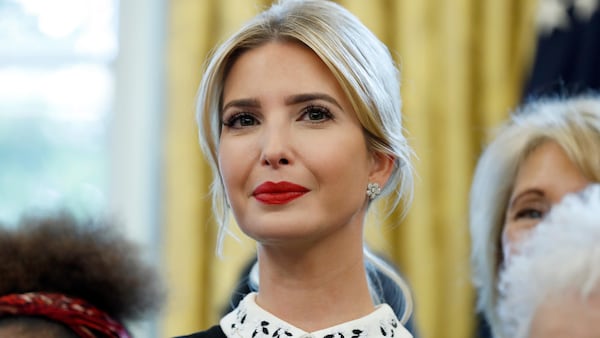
(213,332)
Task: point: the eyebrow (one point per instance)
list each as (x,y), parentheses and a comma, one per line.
(300,98)
(290,100)
(248,103)
(514,200)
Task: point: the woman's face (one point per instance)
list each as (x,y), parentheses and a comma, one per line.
(543,179)
(292,154)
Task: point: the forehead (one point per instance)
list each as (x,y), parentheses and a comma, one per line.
(282,65)
(279,69)
(548,168)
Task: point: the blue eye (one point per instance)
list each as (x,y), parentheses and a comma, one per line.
(240,120)
(529,213)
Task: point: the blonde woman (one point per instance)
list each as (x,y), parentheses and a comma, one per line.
(299,116)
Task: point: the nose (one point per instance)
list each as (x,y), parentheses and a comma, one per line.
(276,147)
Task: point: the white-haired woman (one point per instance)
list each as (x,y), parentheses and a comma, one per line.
(549,148)
(551,288)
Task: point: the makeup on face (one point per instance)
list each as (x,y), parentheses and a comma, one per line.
(278,193)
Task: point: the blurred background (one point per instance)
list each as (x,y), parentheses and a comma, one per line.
(97,114)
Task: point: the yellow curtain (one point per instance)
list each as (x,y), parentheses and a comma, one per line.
(463,63)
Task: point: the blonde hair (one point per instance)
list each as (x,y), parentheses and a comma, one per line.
(574,124)
(360,62)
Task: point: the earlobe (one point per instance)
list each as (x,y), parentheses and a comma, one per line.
(373,190)
(383,165)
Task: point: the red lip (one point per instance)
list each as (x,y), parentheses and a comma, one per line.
(278,193)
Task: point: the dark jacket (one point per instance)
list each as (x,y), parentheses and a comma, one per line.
(213,332)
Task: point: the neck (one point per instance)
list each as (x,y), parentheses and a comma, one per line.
(314,289)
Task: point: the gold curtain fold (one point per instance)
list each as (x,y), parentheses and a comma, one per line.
(462,62)
(187,230)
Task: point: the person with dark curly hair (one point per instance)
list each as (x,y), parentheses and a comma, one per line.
(61,277)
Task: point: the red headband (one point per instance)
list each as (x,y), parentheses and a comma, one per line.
(77,314)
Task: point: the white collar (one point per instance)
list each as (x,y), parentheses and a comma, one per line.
(249,320)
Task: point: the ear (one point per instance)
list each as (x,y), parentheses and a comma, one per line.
(381,169)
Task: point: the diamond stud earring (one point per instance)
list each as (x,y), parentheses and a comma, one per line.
(373,190)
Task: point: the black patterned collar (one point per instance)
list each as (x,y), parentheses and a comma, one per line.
(249,320)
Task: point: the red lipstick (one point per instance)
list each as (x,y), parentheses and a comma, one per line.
(278,193)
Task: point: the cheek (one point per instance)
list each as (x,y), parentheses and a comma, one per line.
(512,237)
(224,166)
(231,165)
(343,168)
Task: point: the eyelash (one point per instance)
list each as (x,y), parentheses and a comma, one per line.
(526,213)
(231,121)
(531,210)
(235,119)
(327,115)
